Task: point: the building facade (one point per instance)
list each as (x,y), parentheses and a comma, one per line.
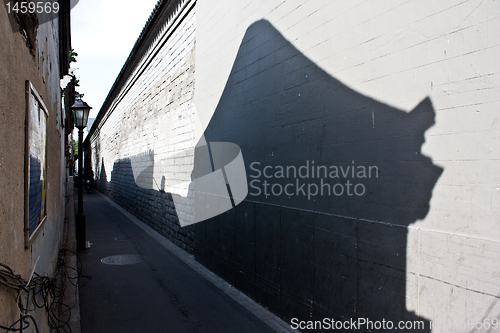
(34,131)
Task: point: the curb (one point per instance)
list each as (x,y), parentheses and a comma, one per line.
(71,294)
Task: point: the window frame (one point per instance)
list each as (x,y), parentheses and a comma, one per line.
(30,137)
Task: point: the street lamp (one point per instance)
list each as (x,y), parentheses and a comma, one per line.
(81,116)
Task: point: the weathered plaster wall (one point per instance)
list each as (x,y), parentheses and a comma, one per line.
(384,55)
(148,129)
(42,69)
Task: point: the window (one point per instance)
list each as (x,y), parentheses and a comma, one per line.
(35,178)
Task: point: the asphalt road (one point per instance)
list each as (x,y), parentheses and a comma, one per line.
(160,294)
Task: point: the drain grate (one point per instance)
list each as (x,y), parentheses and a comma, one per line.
(124,259)
(130,238)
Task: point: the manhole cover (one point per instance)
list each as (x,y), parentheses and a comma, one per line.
(130,238)
(124,259)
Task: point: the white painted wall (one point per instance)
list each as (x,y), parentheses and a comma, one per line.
(154,112)
(400,53)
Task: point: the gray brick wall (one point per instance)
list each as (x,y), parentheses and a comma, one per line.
(149,121)
(155,208)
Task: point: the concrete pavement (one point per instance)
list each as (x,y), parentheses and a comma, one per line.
(152,285)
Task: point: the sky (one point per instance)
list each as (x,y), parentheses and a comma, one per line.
(103,33)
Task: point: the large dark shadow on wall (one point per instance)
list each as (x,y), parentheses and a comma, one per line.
(332,254)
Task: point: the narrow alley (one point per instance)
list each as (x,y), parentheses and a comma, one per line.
(149,288)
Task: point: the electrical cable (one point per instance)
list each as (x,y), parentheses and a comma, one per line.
(44,292)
